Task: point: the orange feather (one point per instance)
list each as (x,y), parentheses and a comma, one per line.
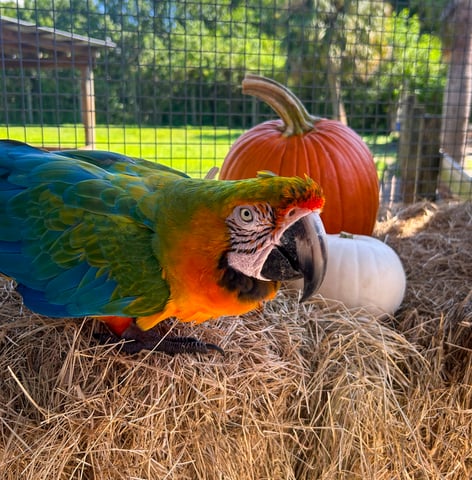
(195,279)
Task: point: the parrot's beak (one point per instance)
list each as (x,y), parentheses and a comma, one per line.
(301,254)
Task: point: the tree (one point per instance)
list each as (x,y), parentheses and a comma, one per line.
(414,63)
(209,48)
(458,94)
(339,40)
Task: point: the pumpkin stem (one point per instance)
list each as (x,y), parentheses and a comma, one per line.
(286,105)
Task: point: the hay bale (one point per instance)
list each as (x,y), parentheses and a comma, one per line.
(304,392)
(435,244)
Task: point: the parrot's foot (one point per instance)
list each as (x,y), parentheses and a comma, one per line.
(138,340)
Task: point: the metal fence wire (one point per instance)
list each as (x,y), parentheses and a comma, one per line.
(162,79)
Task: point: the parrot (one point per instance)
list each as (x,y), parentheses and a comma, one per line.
(131,242)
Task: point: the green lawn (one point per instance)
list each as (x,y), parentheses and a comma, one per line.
(191,149)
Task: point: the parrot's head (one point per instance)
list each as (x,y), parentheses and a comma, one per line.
(275,231)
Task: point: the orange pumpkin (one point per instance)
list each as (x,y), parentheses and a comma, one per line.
(297,144)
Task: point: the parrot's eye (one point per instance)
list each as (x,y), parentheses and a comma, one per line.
(245,214)
(250,217)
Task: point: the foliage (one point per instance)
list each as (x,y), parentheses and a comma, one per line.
(429,12)
(415,61)
(342,38)
(181,62)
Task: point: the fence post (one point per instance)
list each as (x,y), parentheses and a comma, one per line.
(88,104)
(418,152)
(430,157)
(408,147)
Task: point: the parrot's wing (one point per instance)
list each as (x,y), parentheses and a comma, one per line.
(73,237)
(118,163)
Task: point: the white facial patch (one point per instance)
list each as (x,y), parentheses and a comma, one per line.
(254,232)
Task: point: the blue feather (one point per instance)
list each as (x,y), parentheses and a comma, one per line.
(15,265)
(67,281)
(36,300)
(84,291)
(92,300)
(65,171)
(12,260)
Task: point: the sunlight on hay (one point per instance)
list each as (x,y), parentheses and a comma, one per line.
(310,391)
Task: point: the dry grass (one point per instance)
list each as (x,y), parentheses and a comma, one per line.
(304,392)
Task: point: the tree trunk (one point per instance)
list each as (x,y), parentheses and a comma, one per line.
(458,93)
(334,85)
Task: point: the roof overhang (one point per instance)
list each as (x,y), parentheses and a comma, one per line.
(24,44)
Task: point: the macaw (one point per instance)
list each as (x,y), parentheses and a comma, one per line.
(132,242)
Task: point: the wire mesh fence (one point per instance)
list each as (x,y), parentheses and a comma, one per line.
(162,80)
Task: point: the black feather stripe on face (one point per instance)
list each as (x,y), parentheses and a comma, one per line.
(250,242)
(248,238)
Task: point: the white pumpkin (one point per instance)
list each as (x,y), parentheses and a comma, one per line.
(363,272)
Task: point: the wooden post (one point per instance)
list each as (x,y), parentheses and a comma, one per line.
(430,157)
(418,152)
(408,147)
(458,92)
(88,104)
(29,98)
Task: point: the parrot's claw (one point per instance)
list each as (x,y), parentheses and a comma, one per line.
(138,340)
(175,345)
